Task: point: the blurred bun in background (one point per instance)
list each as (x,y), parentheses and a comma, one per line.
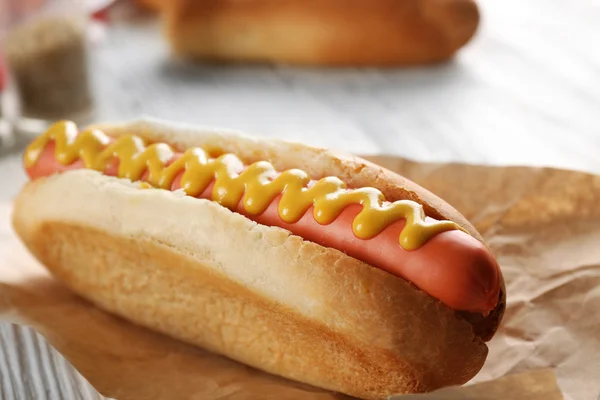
(378,33)
(152,4)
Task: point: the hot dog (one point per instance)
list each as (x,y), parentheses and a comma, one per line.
(453,266)
(437,263)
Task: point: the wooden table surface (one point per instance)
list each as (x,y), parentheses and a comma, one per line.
(525,91)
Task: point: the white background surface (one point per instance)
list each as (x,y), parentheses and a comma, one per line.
(525,91)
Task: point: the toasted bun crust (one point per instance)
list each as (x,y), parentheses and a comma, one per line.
(321,32)
(200,273)
(184,267)
(155,5)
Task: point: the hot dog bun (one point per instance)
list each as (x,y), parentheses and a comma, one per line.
(155,5)
(198,272)
(321,32)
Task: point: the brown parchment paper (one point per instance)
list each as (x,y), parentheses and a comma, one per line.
(542,224)
(539,384)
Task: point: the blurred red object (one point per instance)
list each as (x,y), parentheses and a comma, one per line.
(100,9)
(2,73)
(101,15)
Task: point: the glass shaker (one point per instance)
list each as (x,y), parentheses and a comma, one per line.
(45,48)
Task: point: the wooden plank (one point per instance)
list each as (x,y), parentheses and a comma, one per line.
(31,369)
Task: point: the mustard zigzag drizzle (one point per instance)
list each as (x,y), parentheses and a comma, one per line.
(256,186)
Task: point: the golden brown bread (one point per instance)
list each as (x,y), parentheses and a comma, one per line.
(155,5)
(381,33)
(291,307)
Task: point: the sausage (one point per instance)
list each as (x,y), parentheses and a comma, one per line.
(452,266)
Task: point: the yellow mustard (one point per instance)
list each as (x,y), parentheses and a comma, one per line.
(256,186)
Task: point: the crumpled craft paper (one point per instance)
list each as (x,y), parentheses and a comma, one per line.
(542,224)
(538,384)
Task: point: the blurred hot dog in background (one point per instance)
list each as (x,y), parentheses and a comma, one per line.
(379,33)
